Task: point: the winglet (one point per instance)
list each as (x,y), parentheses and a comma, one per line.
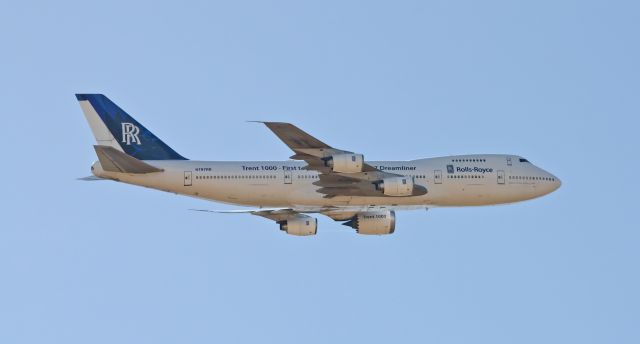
(293,136)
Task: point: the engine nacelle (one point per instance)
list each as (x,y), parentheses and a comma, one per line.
(300,225)
(396,186)
(346,163)
(373,222)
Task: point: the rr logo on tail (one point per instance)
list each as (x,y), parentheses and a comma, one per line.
(130,133)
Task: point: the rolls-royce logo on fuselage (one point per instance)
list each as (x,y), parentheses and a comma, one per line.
(474,169)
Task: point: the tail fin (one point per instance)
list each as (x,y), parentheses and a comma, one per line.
(113,127)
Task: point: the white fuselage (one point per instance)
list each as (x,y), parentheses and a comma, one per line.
(468,180)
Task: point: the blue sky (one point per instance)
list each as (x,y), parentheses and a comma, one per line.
(554,81)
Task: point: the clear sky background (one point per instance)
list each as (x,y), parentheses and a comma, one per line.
(99,262)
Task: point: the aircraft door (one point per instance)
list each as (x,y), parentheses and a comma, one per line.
(287,176)
(437,177)
(188,178)
(500,177)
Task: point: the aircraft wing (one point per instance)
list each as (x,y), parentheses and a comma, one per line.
(276,214)
(320,157)
(307,147)
(335,213)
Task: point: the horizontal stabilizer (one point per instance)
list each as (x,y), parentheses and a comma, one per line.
(90,178)
(113,160)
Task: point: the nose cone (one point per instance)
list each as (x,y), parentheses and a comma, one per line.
(558,183)
(549,184)
(555,182)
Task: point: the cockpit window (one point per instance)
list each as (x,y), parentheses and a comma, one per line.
(523,160)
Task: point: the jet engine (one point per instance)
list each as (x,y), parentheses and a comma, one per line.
(300,225)
(373,222)
(345,163)
(396,186)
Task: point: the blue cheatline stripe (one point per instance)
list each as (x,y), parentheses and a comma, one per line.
(136,140)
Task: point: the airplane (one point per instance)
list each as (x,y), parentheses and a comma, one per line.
(318,179)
